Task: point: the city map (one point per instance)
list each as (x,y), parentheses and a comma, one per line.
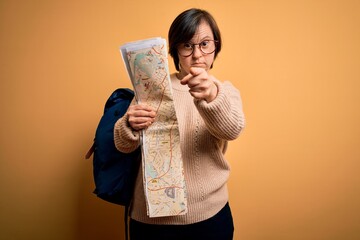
(164,184)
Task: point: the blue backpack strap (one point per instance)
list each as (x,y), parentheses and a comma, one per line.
(126,220)
(118,95)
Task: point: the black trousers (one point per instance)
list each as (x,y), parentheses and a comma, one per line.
(218,227)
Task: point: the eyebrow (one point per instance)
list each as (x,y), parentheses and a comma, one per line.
(202,39)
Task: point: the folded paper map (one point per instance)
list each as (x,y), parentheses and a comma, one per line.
(164,184)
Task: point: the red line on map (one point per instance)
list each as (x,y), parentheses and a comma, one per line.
(162,46)
(163,93)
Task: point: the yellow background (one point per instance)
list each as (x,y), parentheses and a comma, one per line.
(295,169)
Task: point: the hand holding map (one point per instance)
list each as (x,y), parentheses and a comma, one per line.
(140,116)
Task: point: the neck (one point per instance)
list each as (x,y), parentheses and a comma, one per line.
(179,75)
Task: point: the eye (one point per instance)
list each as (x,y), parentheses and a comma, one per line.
(187,46)
(205,43)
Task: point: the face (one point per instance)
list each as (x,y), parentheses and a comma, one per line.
(198,59)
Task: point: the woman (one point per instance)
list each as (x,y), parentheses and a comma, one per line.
(209,114)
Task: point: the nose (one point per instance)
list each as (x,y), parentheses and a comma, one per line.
(197,52)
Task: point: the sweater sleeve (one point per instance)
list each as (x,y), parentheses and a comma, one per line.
(223,116)
(125,138)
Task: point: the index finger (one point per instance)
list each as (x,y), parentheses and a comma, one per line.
(185,79)
(194,71)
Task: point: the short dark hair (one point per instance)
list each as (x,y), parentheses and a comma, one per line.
(184,28)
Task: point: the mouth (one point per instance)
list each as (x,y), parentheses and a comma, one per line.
(200,65)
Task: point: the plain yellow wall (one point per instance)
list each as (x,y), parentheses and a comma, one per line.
(295,169)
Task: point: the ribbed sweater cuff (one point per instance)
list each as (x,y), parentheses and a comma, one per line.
(125,138)
(220,115)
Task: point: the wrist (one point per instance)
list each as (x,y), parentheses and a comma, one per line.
(213,93)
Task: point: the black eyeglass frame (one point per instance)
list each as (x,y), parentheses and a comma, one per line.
(194,44)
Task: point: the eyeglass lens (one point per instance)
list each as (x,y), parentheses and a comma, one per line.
(206,47)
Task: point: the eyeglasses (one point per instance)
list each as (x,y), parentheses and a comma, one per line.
(206,47)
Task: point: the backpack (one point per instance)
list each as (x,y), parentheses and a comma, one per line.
(114,172)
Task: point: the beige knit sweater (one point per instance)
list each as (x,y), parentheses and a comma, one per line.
(204,129)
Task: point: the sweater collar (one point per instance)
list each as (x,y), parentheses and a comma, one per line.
(175,82)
